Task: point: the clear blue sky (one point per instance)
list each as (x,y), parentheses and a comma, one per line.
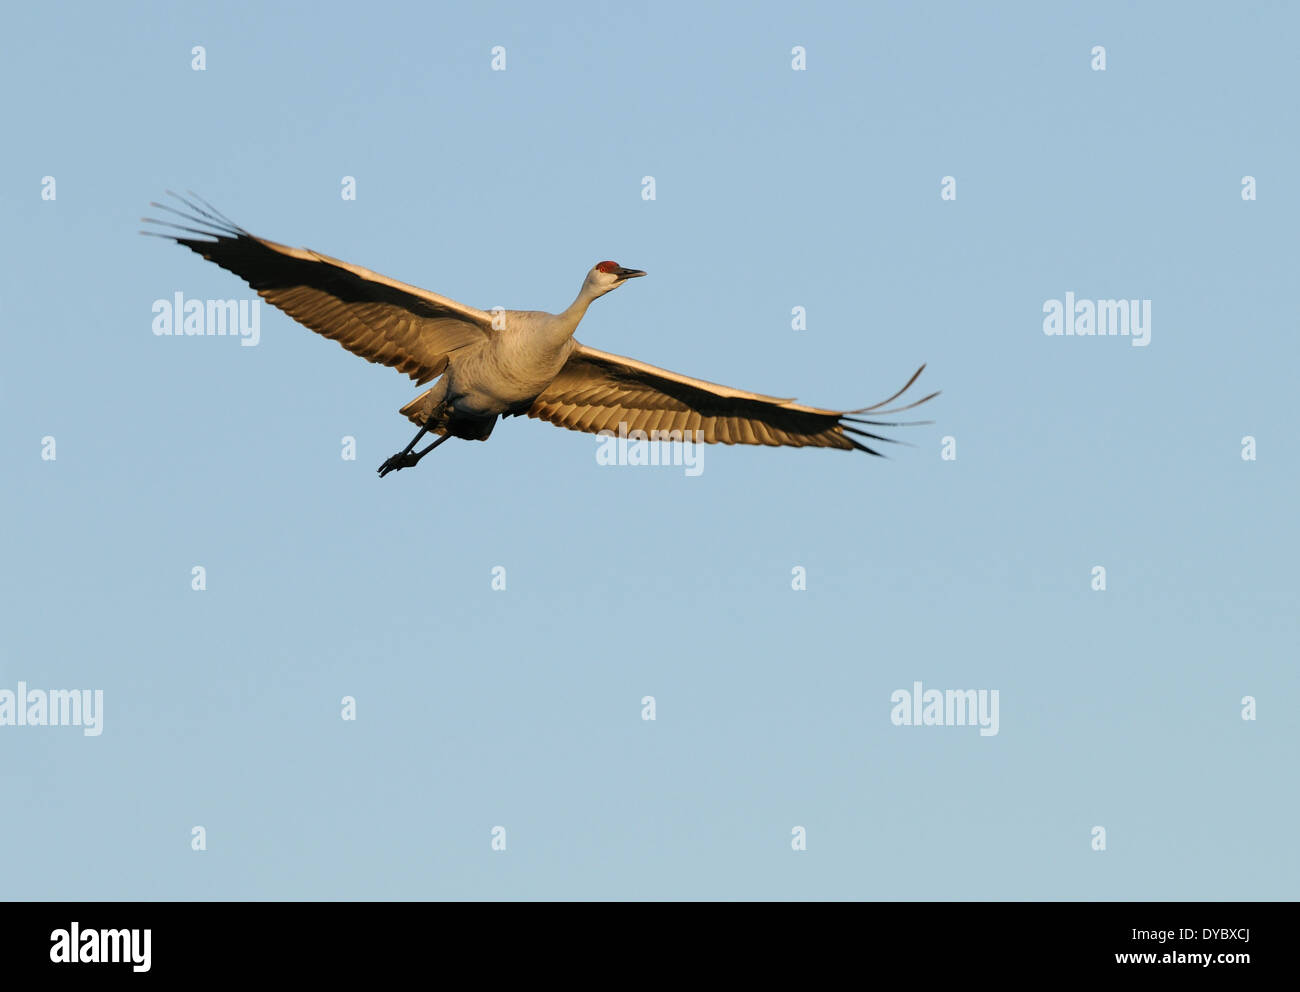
(521,708)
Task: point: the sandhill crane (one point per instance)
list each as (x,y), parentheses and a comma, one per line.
(511,362)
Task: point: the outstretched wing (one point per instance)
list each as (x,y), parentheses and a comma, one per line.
(380,319)
(596,391)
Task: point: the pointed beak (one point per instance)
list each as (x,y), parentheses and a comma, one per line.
(627,273)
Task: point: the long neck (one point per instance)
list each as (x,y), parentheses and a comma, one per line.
(552,334)
(578,308)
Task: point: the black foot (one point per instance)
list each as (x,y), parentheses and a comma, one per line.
(399,461)
(407,458)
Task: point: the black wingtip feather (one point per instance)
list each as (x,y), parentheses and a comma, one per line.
(874,437)
(863,447)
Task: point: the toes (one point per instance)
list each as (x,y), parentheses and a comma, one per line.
(394,464)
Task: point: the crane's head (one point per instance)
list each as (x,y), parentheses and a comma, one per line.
(605,276)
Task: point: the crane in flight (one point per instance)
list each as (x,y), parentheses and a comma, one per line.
(505,363)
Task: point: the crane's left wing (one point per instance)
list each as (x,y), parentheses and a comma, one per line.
(382,320)
(596,391)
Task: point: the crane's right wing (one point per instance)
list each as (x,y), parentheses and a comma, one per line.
(596,391)
(380,319)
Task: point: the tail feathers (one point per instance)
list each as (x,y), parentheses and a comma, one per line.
(419,409)
(430,404)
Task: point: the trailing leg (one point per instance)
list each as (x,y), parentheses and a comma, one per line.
(406,458)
